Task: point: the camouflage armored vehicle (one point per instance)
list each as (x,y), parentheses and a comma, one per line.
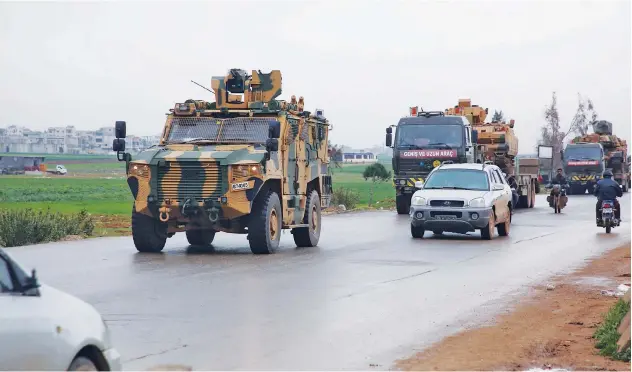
(246,164)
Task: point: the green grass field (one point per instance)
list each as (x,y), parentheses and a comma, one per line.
(350,177)
(103,195)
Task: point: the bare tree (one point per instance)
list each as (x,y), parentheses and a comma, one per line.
(579,124)
(591,109)
(498,116)
(550,134)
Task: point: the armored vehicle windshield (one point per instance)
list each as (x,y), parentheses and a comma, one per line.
(220,131)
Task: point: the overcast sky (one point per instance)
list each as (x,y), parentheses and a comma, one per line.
(364,62)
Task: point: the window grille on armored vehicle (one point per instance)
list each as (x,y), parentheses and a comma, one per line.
(231,130)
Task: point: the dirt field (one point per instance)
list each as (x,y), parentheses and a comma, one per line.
(553,329)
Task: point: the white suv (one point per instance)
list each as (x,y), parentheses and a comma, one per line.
(42,328)
(461,198)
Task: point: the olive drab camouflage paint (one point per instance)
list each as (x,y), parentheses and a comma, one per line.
(246,163)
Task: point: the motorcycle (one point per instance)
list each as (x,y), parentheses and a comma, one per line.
(608,219)
(558,200)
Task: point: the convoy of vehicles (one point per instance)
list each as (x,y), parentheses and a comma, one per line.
(45,329)
(462,198)
(460,134)
(246,163)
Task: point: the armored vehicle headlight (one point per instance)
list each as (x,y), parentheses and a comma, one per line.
(140,170)
(418,200)
(246,170)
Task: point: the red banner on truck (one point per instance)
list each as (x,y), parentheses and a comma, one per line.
(583,162)
(425,154)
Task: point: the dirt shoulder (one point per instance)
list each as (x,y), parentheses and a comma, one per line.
(551,329)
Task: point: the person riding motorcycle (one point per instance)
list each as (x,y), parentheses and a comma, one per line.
(608,189)
(559,179)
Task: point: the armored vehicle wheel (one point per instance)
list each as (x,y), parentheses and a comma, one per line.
(200,238)
(264,228)
(309,236)
(402,202)
(487,232)
(149,234)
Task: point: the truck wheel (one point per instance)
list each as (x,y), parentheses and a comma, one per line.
(264,228)
(416,232)
(309,236)
(148,233)
(200,238)
(402,202)
(487,232)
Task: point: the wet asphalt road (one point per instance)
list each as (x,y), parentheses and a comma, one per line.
(367,295)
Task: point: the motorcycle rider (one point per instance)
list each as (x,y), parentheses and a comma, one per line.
(608,189)
(559,179)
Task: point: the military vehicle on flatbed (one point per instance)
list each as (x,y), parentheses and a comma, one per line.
(498,144)
(246,163)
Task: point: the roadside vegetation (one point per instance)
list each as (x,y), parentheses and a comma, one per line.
(607,334)
(28,226)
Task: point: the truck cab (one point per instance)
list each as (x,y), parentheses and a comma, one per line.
(583,165)
(422,141)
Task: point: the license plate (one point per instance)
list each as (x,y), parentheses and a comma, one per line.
(607,210)
(445,217)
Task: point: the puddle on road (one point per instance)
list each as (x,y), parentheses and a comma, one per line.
(595,281)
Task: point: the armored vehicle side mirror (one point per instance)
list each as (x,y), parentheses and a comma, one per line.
(419,184)
(389,140)
(562,154)
(120,129)
(274,130)
(272,145)
(474,137)
(118,145)
(389,130)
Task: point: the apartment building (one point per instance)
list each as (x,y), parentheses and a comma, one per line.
(67,140)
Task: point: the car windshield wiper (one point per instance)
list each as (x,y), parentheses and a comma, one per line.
(448,188)
(191,140)
(407,146)
(439,144)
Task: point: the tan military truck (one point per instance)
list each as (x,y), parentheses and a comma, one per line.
(245,164)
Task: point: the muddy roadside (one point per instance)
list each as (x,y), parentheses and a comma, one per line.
(553,328)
